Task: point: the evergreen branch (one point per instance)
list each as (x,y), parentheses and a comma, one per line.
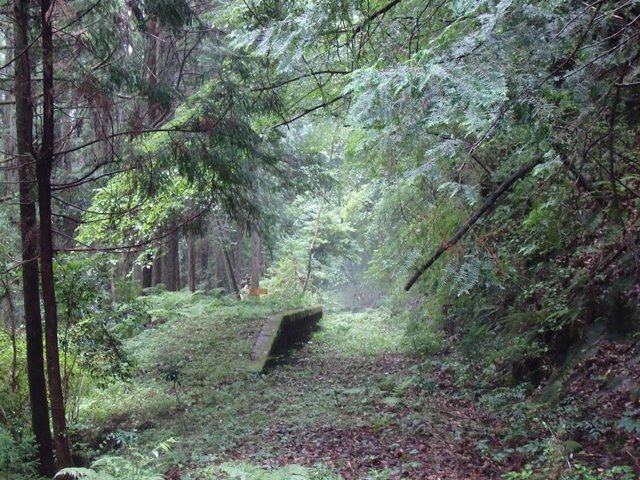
(195,129)
(185,57)
(88,178)
(508,104)
(631,38)
(106,214)
(123,134)
(310,110)
(300,77)
(576,18)
(579,44)
(375,15)
(486,206)
(133,246)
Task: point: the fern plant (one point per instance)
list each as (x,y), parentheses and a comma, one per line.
(138,467)
(16,457)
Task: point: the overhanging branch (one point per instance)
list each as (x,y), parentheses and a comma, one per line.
(310,110)
(486,206)
(375,15)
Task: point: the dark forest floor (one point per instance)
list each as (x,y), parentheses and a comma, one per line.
(413,420)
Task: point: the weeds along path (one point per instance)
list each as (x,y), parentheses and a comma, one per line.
(348,404)
(351,399)
(351,403)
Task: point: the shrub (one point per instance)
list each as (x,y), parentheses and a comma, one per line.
(16,457)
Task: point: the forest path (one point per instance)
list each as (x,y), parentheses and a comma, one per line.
(385,423)
(351,403)
(352,400)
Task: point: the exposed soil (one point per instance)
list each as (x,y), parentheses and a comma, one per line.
(607,385)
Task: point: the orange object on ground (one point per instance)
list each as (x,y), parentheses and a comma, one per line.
(254,292)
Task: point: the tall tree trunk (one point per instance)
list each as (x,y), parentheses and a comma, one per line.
(178,264)
(228,261)
(171,264)
(204,248)
(157,267)
(238,256)
(151,68)
(230,274)
(147,275)
(29,243)
(136,273)
(221,278)
(10,177)
(256,259)
(312,247)
(44,166)
(191,262)
(12,324)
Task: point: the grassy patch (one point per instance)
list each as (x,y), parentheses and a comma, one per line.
(193,385)
(372,332)
(244,471)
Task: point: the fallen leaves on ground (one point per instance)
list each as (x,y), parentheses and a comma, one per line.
(416,436)
(436,433)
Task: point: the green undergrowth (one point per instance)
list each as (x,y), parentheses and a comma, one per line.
(194,394)
(190,343)
(244,471)
(370,332)
(119,468)
(193,384)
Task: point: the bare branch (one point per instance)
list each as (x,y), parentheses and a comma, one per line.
(133,247)
(310,110)
(301,77)
(375,15)
(486,206)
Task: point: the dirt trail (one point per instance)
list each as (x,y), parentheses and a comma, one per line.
(390,418)
(404,417)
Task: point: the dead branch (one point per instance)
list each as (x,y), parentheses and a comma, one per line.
(486,206)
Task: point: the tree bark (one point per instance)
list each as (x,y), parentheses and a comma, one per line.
(44,167)
(204,249)
(29,243)
(10,177)
(238,256)
(157,267)
(147,276)
(486,206)
(256,259)
(230,274)
(151,68)
(191,262)
(310,255)
(171,264)
(220,276)
(228,261)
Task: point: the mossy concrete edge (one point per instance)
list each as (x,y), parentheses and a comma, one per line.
(272,330)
